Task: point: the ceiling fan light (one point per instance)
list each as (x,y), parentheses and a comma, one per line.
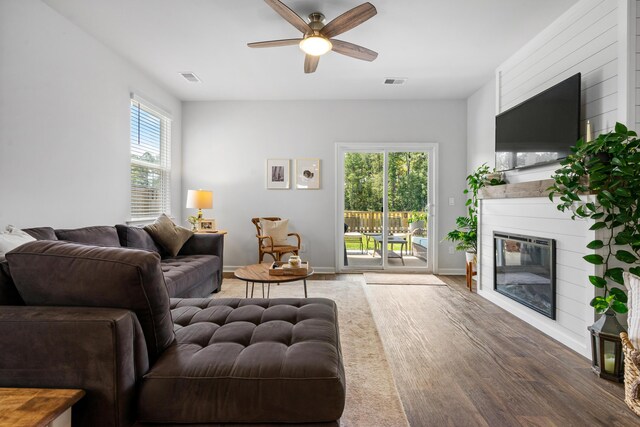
(315,45)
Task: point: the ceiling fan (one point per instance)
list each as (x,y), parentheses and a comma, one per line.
(318,38)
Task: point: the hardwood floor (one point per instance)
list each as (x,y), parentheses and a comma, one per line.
(459,360)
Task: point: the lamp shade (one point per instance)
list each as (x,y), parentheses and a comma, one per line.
(199,199)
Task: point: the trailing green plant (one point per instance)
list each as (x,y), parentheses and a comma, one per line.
(465,234)
(609,168)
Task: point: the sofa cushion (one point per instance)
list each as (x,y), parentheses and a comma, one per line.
(248,361)
(101,235)
(41,233)
(137,238)
(168,235)
(11,239)
(69,274)
(8,293)
(184,272)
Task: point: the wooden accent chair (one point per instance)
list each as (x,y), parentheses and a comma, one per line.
(269,248)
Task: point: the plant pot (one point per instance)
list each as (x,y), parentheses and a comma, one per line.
(471,257)
(494,177)
(413,226)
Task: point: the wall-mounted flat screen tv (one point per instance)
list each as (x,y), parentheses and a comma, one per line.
(541,129)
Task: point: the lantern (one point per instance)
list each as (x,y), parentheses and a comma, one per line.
(607,360)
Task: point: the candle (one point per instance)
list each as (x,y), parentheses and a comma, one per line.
(609,362)
(588,136)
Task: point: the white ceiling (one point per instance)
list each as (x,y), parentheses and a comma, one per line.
(446,48)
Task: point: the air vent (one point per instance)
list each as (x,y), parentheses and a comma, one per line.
(395,80)
(190,77)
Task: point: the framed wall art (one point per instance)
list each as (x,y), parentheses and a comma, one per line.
(308,174)
(277,174)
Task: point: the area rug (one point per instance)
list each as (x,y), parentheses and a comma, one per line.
(372,398)
(402,279)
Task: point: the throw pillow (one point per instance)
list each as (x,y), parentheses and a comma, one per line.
(277,230)
(168,235)
(11,239)
(632,283)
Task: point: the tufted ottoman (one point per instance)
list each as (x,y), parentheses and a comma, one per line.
(248,361)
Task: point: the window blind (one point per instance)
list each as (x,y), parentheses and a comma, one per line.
(150,138)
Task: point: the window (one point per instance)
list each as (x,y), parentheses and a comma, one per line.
(150,161)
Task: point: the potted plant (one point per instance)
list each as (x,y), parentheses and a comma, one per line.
(417,220)
(465,234)
(193,220)
(607,169)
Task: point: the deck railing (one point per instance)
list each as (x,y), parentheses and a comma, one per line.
(371,222)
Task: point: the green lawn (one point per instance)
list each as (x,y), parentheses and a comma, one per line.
(355,246)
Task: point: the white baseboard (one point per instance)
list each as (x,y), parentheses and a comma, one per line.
(319,270)
(332,270)
(452,271)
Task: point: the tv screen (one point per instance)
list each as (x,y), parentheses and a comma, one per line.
(541,129)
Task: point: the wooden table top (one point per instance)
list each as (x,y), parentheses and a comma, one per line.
(34,407)
(211,232)
(259,273)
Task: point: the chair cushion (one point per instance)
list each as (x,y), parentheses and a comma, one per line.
(248,361)
(183,272)
(137,238)
(282,249)
(277,230)
(101,235)
(77,275)
(168,235)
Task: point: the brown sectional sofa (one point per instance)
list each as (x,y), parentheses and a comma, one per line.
(195,272)
(101,319)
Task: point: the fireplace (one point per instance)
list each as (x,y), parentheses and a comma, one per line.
(524,270)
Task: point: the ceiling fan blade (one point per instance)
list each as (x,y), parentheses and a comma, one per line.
(349,20)
(275,43)
(290,16)
(310,63)
(353,50)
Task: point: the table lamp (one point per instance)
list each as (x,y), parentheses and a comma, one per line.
(199,199)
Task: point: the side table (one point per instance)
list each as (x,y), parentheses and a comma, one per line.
(211,232)
(37,407)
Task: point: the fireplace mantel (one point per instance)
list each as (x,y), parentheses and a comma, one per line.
(539,188)
(518,190)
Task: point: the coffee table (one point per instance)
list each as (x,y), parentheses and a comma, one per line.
(259,273)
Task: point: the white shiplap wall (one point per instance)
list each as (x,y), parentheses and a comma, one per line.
(598,39)
(539,217)
(635,102)
(586,39)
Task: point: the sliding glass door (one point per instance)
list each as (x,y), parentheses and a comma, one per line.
(385,204)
